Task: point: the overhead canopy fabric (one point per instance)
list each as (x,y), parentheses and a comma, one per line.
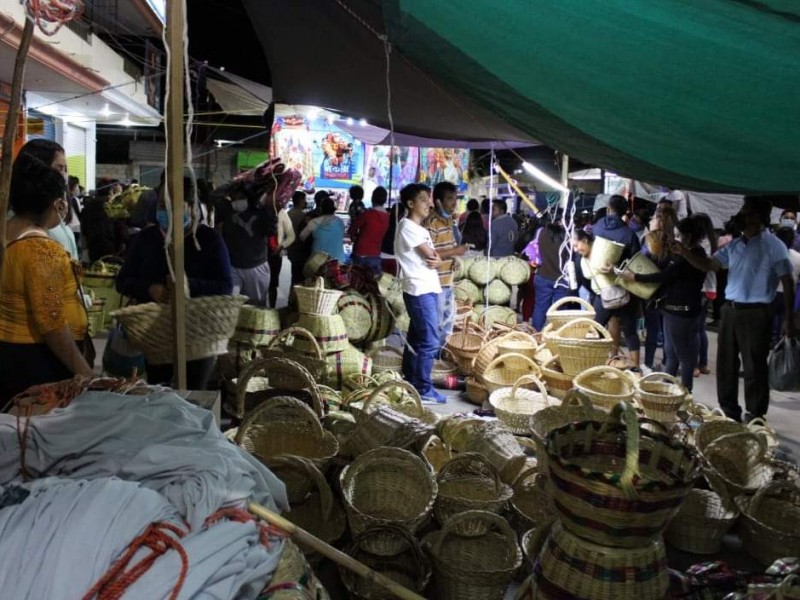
(320,54)
(699,95)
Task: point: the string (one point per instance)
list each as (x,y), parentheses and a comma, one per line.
(165,187)
(52,15)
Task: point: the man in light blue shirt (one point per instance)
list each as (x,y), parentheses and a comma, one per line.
(756,263)
(504,231)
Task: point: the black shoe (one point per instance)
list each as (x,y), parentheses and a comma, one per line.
(749,417)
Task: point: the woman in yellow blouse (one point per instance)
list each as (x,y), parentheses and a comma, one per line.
(42,315)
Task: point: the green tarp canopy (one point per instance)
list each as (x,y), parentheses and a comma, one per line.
(695,94)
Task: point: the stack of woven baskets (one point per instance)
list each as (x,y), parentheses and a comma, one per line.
(486,283)
(255,330)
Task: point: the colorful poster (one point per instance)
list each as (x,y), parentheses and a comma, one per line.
(444,164)
(293,144)
(377,170)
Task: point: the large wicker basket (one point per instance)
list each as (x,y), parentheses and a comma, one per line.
(618,485)
(771,522)
(515,406)
(505,371)
(387,486)
(577,351)
(490,349)
(660,395)
(356,313)
(316,300)
(558,317)
(701,523)
(740,460)
(382,319)
(514,271)
(257,326)
(210,323)
(606,386)
(475,567)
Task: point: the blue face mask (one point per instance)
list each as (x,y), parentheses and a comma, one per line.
(163,219)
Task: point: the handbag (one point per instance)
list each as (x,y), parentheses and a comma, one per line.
(614,297)
(120,357)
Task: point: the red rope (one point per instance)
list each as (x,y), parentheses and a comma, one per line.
(119,577)
(240,515)
(47,13)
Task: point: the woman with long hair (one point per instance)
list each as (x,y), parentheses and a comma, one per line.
(709,244)
(473,232)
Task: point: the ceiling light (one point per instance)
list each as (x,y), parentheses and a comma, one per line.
(312,113)
(363,122)
(331,119)
(349,120)
(544,177)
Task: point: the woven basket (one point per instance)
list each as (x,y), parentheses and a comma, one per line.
(514,406)
(577,352)
(443,371)
(498,445)
(314,263)
(548,335)
(343,364)
(660,395)
(558,383)
(468,341)
(403,391)
(210,323)
(770,527)
(701,523)
(606,386)
(516,344)
(437,453)
(514,271)
(102,273)
(483,270)
(493,315)
(330,332)
(316,300)
(741,462)
(557,317)
(469,482)
(576,406)
(505,370)
(490,349)
(285,345)
(356,314)
(498,292)
(531,504)
(386,426)
(476,567)
(257,326)
(382,319)
(284,425)
(468,291)
(476,393)
(569,567)
(409,568)
(386,358)
(387,486)
(618,485)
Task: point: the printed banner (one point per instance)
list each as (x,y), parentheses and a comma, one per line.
(377,170)
(444,164)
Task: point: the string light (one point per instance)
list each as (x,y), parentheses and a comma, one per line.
(544,177)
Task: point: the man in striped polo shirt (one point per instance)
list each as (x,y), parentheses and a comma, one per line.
(440,226)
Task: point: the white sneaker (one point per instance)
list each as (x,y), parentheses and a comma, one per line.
(646,370)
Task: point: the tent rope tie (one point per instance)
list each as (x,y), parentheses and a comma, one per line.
(240,515)
(119,577)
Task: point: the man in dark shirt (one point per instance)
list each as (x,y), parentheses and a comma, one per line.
(367,231)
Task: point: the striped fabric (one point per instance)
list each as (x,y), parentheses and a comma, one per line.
(441,230)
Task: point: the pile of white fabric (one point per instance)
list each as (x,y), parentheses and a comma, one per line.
(108,466)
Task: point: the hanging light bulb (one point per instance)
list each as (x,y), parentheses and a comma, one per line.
(349,120)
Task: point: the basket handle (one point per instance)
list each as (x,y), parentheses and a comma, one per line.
(305,333)
(661,376)
(532,379)
(417,555)
(576,397)
(603,369)
(361,380)
(758,437)
(276,402)
(393,349)
(530,472)
(770,488)
(500,357)
(788,581)
(540,535)
(319,283)
(255,366)
(335,398)
(325,495)
(626,412)
(499,522)
(604,333)
(471,457)
(570,300)
(401,384)
(522,336)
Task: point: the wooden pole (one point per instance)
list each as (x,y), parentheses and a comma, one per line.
(11,130)
(174,179)
(348,562)
(517,189)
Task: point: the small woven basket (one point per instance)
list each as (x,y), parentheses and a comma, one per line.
(517,344)
(409,567)
(531,504)
(386,426)
(257,326)
(660,395)
(387,486)
(558,317)
(740,461)
(281,374)
(606,386)
(576,350)
(701,523)
(437,453)
(490,349)
(770,527)
(498,445)
(413,408)
(210,323)
(491,316)
(386,358)
(469,482)
(616,484)
(356,314)
(505,370)
(316,300)
(483,270)
(476,392)
(558,383)
(514,271)
(514,406)
(475,567)
(285,345)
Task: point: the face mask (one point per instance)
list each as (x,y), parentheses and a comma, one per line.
(163,219)
(239,205)
(788,223)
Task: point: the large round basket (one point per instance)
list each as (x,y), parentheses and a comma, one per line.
(330,332)
(579,352)
(257,326)
(386,426)
(469,482)
(606,386)
(498,445)
(515,406)
(285,425)
(341,365)
(492,315)
(505,370)
(386,358)
(387,486)
(466,290)
(316,300)
(515,343)
(409,567)
(498,292)
(474,567)
(285,376)
(558,383)
(570,567)
(741,462)
(210,323)
(356,314)
(531,504)
(514,271)
(701,523)
(771,522)
(490,349)
(556,316)
(660,395)
(483,270)
(382,319)
(618,485)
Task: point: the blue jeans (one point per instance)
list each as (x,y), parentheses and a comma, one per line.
(546,295)
(653,324)
(373,263)
(680,347)
(423,337)
(446,314)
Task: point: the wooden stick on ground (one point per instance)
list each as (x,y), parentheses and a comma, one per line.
(303,537)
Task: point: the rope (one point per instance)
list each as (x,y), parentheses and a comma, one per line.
(119,577)
(52,15)
(240,515)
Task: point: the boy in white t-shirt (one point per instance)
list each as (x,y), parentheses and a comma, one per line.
(418,263)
